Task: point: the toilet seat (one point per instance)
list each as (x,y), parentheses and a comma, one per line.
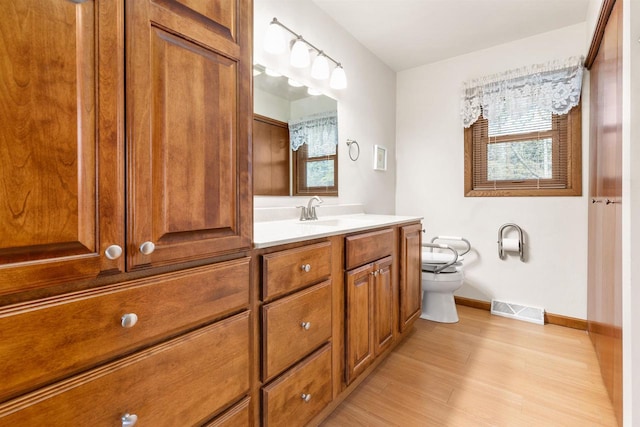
(432,260)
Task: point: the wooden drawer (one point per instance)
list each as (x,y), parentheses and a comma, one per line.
(182,382)
(283,271)
(237,415)
(47,340)
(286,338)
(368,247)
(284,401)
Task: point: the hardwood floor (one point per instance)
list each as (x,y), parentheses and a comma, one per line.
(483,371)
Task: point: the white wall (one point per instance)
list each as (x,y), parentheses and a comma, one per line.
(430,182)
(366,109)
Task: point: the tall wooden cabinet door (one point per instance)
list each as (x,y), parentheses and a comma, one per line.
(189,119)
(359,320)
(385,304)
(410,274)
(61,158)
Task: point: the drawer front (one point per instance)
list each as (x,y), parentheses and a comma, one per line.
(237,415)
(286,271)
(301,393)
(294,326)
(182,382)
(54,338)
(367,247)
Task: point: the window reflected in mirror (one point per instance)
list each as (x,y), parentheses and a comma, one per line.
(295,139)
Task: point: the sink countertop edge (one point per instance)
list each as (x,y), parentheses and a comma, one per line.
(274,233)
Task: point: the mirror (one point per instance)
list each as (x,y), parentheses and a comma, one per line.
(295,136)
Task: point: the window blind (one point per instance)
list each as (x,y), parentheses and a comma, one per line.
(521,152)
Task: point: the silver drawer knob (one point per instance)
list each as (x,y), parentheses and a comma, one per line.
(129,320)
(147,248)
(129,420)
(305,267)
(306,325)
(113,252)
(306,397)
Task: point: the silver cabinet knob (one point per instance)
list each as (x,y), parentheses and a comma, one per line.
(306,325)
(129,420)
(129,320)
(113,252)
(147,248)
(306,397)
(305,267)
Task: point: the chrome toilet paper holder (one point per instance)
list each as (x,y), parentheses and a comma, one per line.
(501,253)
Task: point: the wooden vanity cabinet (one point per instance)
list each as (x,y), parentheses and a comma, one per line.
(371,299)
(296,333)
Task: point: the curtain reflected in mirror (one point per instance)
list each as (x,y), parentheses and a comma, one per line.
(295,138)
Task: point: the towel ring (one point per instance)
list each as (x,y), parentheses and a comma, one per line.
(351,143)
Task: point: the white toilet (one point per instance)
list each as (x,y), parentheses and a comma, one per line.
(442,275)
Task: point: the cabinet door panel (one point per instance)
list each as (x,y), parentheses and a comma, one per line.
(59,141)
(359,321)
(188,99)
(410,274)
(385,304)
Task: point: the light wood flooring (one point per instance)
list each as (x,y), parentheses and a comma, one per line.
(483,371)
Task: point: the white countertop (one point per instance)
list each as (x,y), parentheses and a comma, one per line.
(272,233)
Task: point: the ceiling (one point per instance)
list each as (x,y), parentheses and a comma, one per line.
(408,33)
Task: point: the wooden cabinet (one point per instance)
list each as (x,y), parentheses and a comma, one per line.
(370,314)
(61,141)
(188,123)
(63,124)
(125,211)
(49,339)
(295,326)
(410,274)
(181,382)
(297,331)
(371,299)
(297,396)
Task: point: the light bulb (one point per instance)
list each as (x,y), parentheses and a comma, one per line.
(294,83)
(300,54)
(338,78)
(271,72)
(274,40)
(313,92)
(320,67)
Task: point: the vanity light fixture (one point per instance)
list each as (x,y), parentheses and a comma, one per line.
(275,42)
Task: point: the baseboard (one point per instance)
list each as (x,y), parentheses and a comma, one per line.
(550,318)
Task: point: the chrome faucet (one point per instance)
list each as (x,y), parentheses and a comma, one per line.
(308,213)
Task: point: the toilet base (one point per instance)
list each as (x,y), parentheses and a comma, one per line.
(439,307)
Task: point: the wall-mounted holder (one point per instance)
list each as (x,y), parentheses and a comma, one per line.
(351,143)
(502,247)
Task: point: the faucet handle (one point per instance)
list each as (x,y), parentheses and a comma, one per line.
(303,213)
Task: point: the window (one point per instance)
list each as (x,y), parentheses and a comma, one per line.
(538,154)
(523,131)
(314,140)
(316,170)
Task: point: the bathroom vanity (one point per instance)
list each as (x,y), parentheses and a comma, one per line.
(334,297)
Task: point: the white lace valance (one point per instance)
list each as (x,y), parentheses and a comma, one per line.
(319,131)
(552,88)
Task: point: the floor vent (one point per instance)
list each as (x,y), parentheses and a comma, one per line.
(516,311)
